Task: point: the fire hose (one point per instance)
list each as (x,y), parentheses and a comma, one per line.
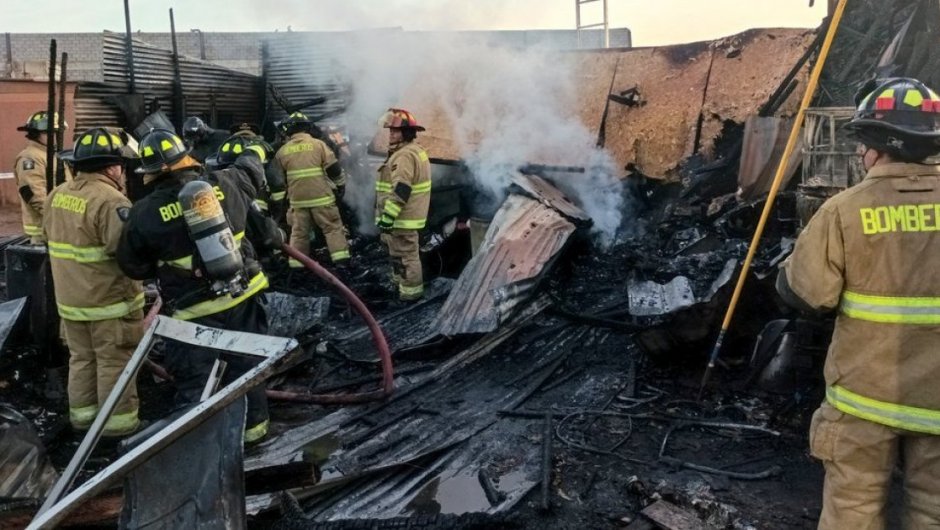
(378,337)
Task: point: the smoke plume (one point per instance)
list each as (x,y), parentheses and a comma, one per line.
(499,107)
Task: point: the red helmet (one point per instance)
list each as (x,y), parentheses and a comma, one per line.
(399,119)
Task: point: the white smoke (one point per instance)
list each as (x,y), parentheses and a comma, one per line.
(500,108)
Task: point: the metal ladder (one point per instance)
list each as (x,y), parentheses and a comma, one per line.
(578,4)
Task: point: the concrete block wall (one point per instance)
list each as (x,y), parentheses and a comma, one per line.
(30,52)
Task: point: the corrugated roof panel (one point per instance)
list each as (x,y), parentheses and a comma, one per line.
(524,239)
(208,89)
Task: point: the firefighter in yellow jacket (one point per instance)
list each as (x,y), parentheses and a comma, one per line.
(315,181)
(30,170)
(402,198)
(873,252)
(101,309)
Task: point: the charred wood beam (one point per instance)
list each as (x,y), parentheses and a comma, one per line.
(50,120)
(60,133)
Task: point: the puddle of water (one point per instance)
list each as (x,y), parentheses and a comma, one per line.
(456,495)
(319,450)
(512,481)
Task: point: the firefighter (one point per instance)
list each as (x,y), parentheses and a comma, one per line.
(203,140)
(101,309)
(872,252)
(156,244)
(315,181)
(234,147)
(30,170)
(403,195)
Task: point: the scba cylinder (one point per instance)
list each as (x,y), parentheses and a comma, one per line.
(210,231)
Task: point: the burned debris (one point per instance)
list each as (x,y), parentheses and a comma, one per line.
(550,375)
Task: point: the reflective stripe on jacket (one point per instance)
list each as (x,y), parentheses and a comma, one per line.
(304,160)
(872,252)
(83,223)
(410,166)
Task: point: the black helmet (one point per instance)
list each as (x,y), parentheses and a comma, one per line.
(297,121)
(160,149)
(97,148)
(234,147)
(39,122)
(899,116)
(194,127)
(245,128)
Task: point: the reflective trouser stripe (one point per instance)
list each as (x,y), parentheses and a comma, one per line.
(89,314)
(408,291)
(278,195)
(257,432)
(891,309)
(327,200)
(304,173)
(407,224)
(186,262)
(339,255)
(121,424)
(294,264)
(82,417)
(77,253)
(210,307)
(891,414)
(32,230)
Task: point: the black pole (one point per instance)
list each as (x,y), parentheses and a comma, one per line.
(50,119)
(60,134)
(177,79)
(129,48)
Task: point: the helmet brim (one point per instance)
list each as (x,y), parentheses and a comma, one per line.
(869,123)
(414,128)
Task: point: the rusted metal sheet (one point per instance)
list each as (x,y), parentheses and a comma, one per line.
(523,240)
(765,139)
(221,95)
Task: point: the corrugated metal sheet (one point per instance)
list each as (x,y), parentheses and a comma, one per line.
(209,90)
(526,236)
(304,66)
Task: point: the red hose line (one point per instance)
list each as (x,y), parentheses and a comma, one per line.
(378,337)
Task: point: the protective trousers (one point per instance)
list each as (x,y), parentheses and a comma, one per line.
(99,351)
(328,219)
(406,262)
(859,457)
(190,365)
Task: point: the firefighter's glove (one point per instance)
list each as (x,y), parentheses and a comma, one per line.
(385,222)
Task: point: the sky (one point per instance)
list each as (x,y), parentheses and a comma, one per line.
(652,23)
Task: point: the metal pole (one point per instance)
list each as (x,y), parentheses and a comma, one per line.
(775,187)
(177,80)
(202,43)
(60,134)
(129,48)
(50,120)
(606,28)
